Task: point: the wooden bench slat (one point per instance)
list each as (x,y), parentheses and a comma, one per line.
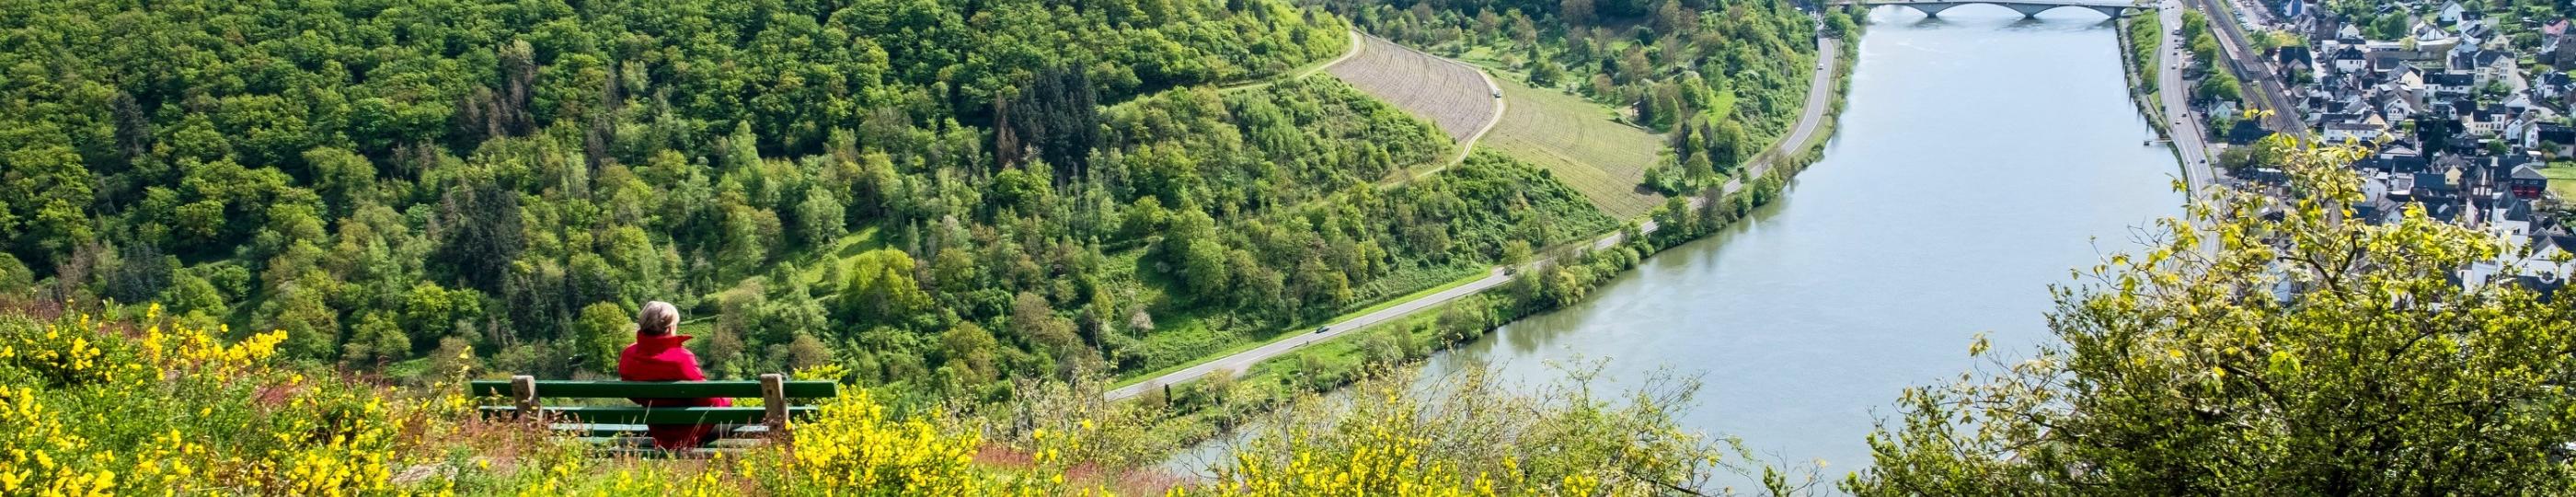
(655,415)
(643,442)
(633,430)
(653,453)
(656,389)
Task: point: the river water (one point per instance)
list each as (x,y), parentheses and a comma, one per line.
(1980,157)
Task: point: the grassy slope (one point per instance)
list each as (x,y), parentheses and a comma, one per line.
(1582,143)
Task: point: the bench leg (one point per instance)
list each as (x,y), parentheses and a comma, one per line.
(524,389)
(773,397)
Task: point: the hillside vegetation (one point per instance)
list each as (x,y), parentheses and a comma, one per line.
(1718,79)
(1450,95)
(937,196)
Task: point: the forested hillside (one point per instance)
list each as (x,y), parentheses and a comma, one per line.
(1722,77)
(932,193)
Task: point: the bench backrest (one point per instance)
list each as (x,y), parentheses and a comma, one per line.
(578,389)
(773,389)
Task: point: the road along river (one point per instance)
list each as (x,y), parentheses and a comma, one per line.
(1980,157)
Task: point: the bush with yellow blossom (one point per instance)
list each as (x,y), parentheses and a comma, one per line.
(100,407)
(111,408)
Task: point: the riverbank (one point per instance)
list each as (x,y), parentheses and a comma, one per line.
(1981,155)
(1210,404)
(2140,60)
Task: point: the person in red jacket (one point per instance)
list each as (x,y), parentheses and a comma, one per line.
(658,356)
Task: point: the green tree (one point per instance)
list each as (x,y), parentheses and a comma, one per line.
(298,308)
(431,311)
(821,218)
(967,350)
(481,233)
(2312,354)
(376,339)
(1193,248)
(881,291)
(602,333)
(2219,86)
(44,196)
(1036,322)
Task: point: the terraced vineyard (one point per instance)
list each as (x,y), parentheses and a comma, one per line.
(1579,141)
(1451,95)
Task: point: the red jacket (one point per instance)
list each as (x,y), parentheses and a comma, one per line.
(661,358)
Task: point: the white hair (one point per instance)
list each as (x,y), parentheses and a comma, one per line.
(657,318)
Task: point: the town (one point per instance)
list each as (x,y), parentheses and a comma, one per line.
(2464,111)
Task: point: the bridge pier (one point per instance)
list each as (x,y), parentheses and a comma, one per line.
(2028,10)
(2112,12)
(1930,9)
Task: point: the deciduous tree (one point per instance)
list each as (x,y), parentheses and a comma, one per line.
(2303,353)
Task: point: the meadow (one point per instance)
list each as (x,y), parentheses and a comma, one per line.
(1583,143)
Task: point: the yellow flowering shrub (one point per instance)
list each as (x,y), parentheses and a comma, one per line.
(40,459)
(1467,437)
(101,408)
(852,445)
(149,407)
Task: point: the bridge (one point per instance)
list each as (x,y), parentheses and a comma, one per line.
(2028,8)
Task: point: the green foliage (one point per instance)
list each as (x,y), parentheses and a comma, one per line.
(2219,86)
(1661,58)
(2144,36)
(1396,436)
(1722,78)
(381,178)
(605,329)
(409,179)
(2356,365)
(881,291)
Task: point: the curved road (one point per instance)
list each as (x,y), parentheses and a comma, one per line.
(1820,95)
(2189,140)
(1265,82)
(1810,120)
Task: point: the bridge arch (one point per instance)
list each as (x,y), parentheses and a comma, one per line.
(2027,9)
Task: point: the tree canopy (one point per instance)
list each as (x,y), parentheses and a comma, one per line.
(2267,347)
(928,194)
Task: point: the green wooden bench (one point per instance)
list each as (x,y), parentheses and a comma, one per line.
(624,424)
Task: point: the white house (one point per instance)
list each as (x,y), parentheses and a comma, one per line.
(2349,60)
(2342,132)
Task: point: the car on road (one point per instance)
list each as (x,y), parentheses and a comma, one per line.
(1321,329)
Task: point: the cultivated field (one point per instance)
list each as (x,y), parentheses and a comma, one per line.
(1450,95)
(1579,141)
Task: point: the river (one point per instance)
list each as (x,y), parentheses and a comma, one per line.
(1980,157)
